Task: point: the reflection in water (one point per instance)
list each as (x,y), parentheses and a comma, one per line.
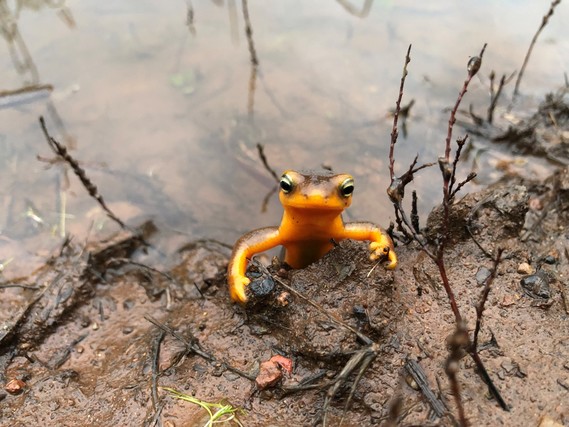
(254,59)
(350,8)
(19,53)
(32,90)
(190,18)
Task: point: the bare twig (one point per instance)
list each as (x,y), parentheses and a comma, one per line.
(261,150)
(544,22)
(418,375)
(461,340)
(447,171)
(494,96)
(155,369)
(415,213)
(91,188)
(457,343)
(460,143)
(394,131)
(483,298)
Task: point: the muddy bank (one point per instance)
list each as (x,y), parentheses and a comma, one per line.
(94,358)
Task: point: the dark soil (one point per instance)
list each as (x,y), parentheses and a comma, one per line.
(87,354)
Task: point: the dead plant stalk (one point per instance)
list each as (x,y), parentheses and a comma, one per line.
(461,339)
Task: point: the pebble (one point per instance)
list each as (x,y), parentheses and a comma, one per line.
(547,421)
(536,285)
(525,268)
(482,274)
(15,386)
(269,375)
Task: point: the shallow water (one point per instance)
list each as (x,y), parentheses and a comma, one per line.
(160,113)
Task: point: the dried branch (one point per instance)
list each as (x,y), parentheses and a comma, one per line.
(91,188)
(261,150)
(394,131)
(457,343)
(460,143)
(418,375)
(415,213)
(461,340)
(494,96)
(157,341)
(484,298)
(473,66)
(544,22)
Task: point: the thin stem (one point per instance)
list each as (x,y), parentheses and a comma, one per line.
(394,131)
(544,22)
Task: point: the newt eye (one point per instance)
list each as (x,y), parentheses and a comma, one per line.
(286,184)
(347,187)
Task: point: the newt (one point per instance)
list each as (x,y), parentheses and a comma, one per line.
(311,224)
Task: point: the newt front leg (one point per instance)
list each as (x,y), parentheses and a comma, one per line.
(381,244)
(250,244)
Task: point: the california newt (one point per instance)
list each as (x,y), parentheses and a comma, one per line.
(312,221)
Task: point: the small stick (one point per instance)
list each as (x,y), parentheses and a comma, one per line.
(494,99)
(418,375)
(473,67)
(484,297)
(415,213)
(457,343)
(394,131)
(27,89)
(91,188)
(460,143)
(544,22)
(155,357)
(261,150)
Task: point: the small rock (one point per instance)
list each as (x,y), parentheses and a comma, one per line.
(262,286)
(513,368)
(269,374)
(535,204)
(482,274)
(547,421)
(536,285)
(411,382)
(359,312)
(15,386)
(283,299)
(284,362)
(525,268)
(550,259)
(271,371)
(509,300)
(128,304)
